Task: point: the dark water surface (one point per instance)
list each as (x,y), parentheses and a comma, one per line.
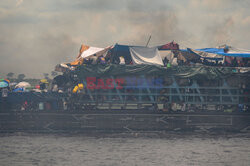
(124,149)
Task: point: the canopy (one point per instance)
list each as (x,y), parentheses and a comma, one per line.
(23,85)
(137,54)
(120,51)
(145,55)
(169,54)
(166,54)
(87,52)
(3,84)
(234,52)
(44,81)
(94,50)
(79,59)
(18,90)
(169,46)
(206,55)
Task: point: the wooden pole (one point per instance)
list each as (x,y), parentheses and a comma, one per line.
(148,40)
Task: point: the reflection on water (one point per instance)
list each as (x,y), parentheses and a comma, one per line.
(124,149)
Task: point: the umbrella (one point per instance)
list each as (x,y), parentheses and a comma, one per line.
(7,80)
(18,90)
(23,85)
(44,81)
(37,86)
(3,84)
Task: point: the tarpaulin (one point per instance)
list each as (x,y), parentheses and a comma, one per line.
(169,46)
(231,52)
(93,50)
(207,54)
(195,72)
(166,53)
(120,51)
(145,55)
(87,52)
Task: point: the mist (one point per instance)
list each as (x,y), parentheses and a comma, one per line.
(35,36)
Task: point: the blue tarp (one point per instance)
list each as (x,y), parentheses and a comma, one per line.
(121,51)
(220,51)
(206,54)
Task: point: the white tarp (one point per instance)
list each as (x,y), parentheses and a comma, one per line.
(166,54)
(145,55)
(207,55)
(94,50)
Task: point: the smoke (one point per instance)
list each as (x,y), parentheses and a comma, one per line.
(220,33)
(32,54)
(36,36)
(19,2)
(140,19)
(162,26)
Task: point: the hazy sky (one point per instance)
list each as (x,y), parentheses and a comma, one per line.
(35,35)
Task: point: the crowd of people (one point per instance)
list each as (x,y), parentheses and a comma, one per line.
(71,85)
(178,58)
(174,58)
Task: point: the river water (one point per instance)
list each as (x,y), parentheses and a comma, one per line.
(22,149)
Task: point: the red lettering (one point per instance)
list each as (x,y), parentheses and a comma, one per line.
(119,82)
(109,83)
(91,82)
(100,84)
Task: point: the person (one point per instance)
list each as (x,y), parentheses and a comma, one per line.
(101,60)
(174,61)
(122,60)
(55,88)
(240,107)
(165,61)
(226,49)
(168,65)
(4,102)
(42,84)
(183,107)
(5,92)
(24,106)
(88,61)
(79,88)
(59,82)
(94,59)
(174,107)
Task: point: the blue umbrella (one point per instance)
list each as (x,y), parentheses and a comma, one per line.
(18,90)
(4,84)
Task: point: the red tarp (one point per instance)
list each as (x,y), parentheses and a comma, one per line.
(169,46)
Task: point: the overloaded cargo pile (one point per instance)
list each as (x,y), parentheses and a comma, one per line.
(125,60)
(165,55)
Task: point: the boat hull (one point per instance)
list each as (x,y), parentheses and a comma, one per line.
(110,122)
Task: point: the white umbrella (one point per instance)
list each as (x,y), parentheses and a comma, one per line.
(23,85)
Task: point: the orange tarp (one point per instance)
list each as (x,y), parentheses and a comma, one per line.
(83,48)
(79,59)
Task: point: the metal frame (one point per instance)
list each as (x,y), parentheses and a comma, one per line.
(151,95)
